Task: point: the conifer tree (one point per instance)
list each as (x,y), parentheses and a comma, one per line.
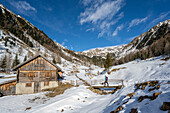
(108,61)
(16,61)
(3,64)
(25,58)
(54,61)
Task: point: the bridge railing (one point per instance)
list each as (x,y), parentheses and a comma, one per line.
(112,82)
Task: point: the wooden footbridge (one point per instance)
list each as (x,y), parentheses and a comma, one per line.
(97,83)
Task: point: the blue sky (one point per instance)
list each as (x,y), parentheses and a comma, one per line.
(84,24)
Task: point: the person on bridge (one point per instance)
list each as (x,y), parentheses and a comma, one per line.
(106,81)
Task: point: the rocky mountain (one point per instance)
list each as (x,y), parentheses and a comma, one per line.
(142,41)
(114,51)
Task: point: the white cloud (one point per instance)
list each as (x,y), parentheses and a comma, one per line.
(90,29)
(65,40)
(117,30)
(22,6)
(101,15)
(136,22)
(86,2)
(105,26)
(98,13)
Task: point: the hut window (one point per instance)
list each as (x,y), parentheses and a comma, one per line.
(46,83)
(28,85)
(48,75)
(36,62)
(42,62)
(30,76)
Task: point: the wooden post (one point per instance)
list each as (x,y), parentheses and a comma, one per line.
(122,83)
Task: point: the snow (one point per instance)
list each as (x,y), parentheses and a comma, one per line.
(2,7)
(81,99)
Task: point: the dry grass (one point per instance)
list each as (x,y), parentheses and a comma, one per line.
(58,90)
(131,94)
(153,97)
(118,109)
(28,108)
(144,84)
(116,69)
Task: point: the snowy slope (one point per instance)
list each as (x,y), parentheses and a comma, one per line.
(80,99)
(14,46)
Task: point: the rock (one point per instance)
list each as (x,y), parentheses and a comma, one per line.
(165,106)
(134,110)
(155,95)
(117,110)
(156,87)
(62,110)
(141,98)
(131,94)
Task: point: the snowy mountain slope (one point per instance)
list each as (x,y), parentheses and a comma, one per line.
(140,42)
(146,39)
(81,99)
(11,46)
(114,50)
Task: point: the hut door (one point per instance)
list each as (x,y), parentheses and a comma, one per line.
(36,86)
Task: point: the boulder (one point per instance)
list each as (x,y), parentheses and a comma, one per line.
(165,106)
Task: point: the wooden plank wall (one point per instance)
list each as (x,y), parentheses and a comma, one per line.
(8,88)
(37,70)
(38,64)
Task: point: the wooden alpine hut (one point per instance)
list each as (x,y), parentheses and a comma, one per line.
(36,74)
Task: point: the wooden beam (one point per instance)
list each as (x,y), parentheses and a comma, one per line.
(40,71)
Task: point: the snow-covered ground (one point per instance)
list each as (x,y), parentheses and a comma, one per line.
(80,99)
